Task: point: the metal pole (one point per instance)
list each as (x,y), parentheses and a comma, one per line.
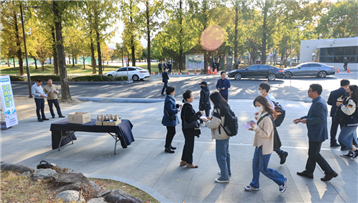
(27,63)
(291,49)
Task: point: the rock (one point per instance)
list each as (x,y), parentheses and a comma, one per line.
(15,167)
(27,173)
(73,181)
(99,190)
(97,200)
(44,174)
(117,196)
(70,196)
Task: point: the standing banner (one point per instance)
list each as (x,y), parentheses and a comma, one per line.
(194,61)
(8,103)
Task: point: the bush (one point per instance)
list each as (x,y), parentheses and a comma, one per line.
(45,77)
(121,78)
(92,78)
(16,78)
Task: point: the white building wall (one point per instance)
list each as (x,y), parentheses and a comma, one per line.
(307,48)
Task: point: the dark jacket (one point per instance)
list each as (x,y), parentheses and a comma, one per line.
(188,113)
(317,121)
(223,83)
(332,99)
(165,77)
(345,61)
(171,108)
(204,102)
(160,66)
(169,66)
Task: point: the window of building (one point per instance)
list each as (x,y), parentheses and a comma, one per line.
(337,54)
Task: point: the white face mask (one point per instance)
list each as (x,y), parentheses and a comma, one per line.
(259,92)
(259,109)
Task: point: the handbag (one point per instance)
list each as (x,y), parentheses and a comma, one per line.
(44,164)
(171,117)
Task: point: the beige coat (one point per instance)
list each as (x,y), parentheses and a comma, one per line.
(264,135)
(214,125)
(51,95)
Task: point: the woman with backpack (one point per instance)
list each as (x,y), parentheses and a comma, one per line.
(350,112)
(218,133)
(264,146)
(190,126)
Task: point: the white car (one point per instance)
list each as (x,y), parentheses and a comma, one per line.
(136,73)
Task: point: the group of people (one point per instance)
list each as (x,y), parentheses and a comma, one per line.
(165,65)
(266,138)
(49,91)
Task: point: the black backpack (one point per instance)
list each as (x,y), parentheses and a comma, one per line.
(281,116)
(231,124)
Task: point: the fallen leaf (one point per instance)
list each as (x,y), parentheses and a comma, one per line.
(177,179)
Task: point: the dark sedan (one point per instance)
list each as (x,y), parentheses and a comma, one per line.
(256,71)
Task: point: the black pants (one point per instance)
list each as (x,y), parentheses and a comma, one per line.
(40,105)
(315,157)
(226,97)
(57,105)
(164,87)
(170,135)
(188,149)
(334,128)
(206,110)
(345,66)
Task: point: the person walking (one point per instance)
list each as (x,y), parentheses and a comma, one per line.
(39,95)
(316,122)
(169,67)
(170,119)
(204,103)
(345,63)
(332,99)
(223,86)
(165,79)
(221,138)
(52,90)
(190,127)
(160,66)
(349,107)
(264,89)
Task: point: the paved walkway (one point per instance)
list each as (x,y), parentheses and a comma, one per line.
(145,164)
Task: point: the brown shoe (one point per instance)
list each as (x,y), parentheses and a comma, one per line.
(329,177)
(191,166)
(182,163)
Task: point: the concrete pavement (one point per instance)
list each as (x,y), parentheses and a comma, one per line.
(145,165)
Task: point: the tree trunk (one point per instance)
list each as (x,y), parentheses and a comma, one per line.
(55,62)
(8,63)
(18,44)
(84,62)
(92,58)
(35,63)
(13,61)
(43,67)
(122,56)
(132,34)
(264,35)
(148,34)
(181,36)
(236,26)
(99,55)
(65,88)
(73,62)
(50,60)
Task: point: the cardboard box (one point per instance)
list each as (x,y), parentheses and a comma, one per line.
(99,123)
(79,117)
(113,123)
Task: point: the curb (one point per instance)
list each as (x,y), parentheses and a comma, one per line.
(133,183)
(119,100)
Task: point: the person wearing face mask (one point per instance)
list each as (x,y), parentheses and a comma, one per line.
(349,107)
(188,116)
(204,103)
(264,88)
(264,145)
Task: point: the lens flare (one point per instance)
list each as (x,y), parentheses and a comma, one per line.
(212,37)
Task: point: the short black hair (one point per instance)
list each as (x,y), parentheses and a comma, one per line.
(222,72)
(345,82)
(316,88)
(265,86)
(39,80)
(165,68)
(169,90)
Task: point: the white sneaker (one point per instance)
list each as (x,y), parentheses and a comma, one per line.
(221,181)
(249,188)
(282,188)
(220,174)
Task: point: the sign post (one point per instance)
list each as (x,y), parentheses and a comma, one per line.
(126,58)
(8,103)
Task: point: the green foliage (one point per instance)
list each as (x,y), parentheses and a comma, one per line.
(45,77)
(16,78)
(121,78)
(92,78)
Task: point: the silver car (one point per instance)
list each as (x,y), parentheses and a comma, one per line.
(310,69)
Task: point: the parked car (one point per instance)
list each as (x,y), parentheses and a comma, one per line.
(136,73)
(310,69)
(256,71)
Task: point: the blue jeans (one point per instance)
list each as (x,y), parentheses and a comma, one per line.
(223,158)
(40,105)
(347,135)
(259,164)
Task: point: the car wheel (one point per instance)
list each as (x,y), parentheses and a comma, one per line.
(135,78)
(110,75)
(288,75)
(238,76)
(271,77)
(322,74)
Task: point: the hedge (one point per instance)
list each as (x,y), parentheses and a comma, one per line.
(121,78)
(92,78)
(45,77)
(16,78)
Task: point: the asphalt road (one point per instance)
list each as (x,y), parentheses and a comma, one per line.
(294,89)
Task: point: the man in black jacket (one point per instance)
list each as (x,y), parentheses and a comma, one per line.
(332,99)
(345,61)
(204,103)
(165,79)
(160,66)
(169,67)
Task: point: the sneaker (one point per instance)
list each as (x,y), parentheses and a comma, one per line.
(249,188)
(283,157)
(354,154)
(348,154)
(282,188)
(61,116)
(221,181)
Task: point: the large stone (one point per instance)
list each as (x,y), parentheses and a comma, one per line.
(44,174)
(99,190)
(97,200)
(15,167)
(73,181)
(119,196)
(70,196)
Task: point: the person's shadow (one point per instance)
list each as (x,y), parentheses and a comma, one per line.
(215,193)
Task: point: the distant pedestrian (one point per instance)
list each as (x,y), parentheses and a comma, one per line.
(345,63)
(316,122)
(39,95)
(332,99)
(204,102)
(217,65)
(160,67)
(349,107)
(190,127)
(215,124)
(264,145)
(165,79)
(170,119)
(264,88)
(223,86)
(169,67)
(52,90)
